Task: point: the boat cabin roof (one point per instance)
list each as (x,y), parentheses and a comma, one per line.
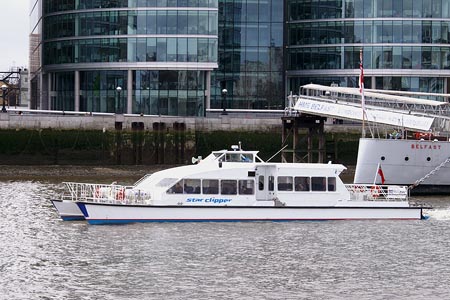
(234,156)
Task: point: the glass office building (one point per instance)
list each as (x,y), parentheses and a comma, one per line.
(250,54)
(173,57)
(159,52)
(170,57)
(405,43)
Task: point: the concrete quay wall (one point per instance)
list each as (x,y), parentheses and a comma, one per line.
(109,122)
(238,122)
(82,139)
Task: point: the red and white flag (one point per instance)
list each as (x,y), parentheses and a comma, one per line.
(380,172)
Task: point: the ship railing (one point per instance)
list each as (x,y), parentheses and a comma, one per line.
(105,193)
(375,192)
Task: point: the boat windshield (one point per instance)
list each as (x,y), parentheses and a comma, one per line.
(239,157)
(236,156)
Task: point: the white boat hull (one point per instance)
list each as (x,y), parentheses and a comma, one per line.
(67,210)
(405,162)
(97,213)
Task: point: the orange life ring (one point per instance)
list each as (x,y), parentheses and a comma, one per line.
(375,191)
(120,195)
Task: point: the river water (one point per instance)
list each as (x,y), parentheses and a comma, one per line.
(42,257)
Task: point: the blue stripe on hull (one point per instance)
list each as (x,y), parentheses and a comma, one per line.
(73,218)
(128,221)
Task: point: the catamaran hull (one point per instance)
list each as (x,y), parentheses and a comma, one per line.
(118,214)
(68,210)
(403,162)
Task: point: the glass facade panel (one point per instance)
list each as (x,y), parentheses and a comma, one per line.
(93,31)
(400,35)
(131,22)
(250,54)
(130,49)
(322,35)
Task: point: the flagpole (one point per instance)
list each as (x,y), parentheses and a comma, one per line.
(361,90)
(376,174)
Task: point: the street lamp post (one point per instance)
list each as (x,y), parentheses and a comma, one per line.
(119,90)
(224,98)
(4,88)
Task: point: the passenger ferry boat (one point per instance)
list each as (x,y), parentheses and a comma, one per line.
(236,185)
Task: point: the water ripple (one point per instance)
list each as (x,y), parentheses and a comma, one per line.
(45,258)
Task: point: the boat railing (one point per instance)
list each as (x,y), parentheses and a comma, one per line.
(373,192)
(105,193)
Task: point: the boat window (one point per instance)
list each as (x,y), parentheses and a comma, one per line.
(167,182)
(318,184)
(332,184)
(210,186)
(261,183)
(302,184)
(285,183)
(239,157)
(246,187)
(232,157)
(271,183)
(191,186)
(246,157)
(177,188)
(228,187)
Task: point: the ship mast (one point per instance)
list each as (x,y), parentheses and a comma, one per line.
(361,90)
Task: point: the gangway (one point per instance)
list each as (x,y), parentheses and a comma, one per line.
(381,107)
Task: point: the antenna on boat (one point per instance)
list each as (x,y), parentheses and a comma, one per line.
(276,153)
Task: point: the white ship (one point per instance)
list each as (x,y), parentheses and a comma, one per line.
(422,164)
(236,185)
(410,136)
